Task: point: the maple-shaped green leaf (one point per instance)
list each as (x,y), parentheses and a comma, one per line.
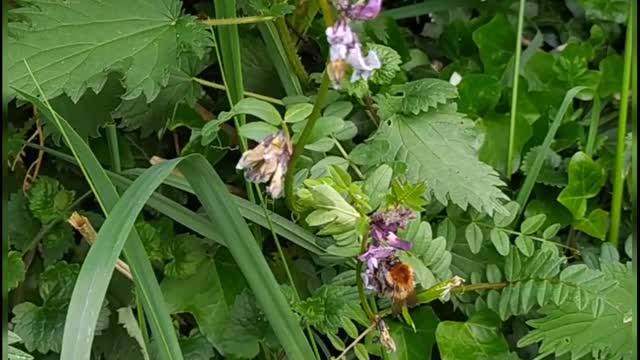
(390,61)
(157,249)
(578,330)
(57,242)
(552,172)
(478,338)
(421,95)
(196,346)
(208,294)
(48,200)
(438,148)
(13,270)
(74,45)
(595,224)
(23,226)
(138,113)
(586,177)
(89,114)
(186,254)
(41,327)
(246,329)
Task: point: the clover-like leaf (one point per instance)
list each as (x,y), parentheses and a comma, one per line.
(586,177)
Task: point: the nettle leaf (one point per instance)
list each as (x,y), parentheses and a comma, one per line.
(577,329)
(390,61)
(150,117)
(607,10)
(370,153)
(421,95)
(88,114)
(23,226)
(208,294)
(70,53)
(48,200)
(478,338)
(14,270)
(41,327)
(552,172)
(438,149)
(586,177)
(496,40)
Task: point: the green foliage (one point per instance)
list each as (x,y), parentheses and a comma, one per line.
(23,225)
(586,178)
(14,270)
(478,338)
(49,201)
(415,344)
(437,148)
(391,62)
(606,10)
(14,353)
(419,96)
(104,39)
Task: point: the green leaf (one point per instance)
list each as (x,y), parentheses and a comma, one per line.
(257,131)
(339,109)
(258,108)
(611,69)
(595,224)
(500,240)
(496,126)
(88,114)
(581,331)
(186,255)
(57,242)
(13,270)
(361,352)
(298,112)
(41,326)
(404,194)
(614,10)
(478,338)
(376,185)
(421,95)
(531,224)
(412,344)
(479,94)
(474,237)
(332,212)
(369,153)
(390,61)
(23,227)
(552,172)
(71,53)
(437,148)
(130,323)
(180,89)
(586,177)
(325,126)
(114,343)
(496,41)
(525,245)
(551,231)
(48,200)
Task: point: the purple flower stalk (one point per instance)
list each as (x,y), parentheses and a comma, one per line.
(384,226)
(345,48)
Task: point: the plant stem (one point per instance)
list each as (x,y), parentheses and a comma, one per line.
(514,93)
(112,140)
(237,21)
(346,157)
(618,189)
(214,85)
(290,50)
(298,149)
(356,341)
(359,283)
(593,125)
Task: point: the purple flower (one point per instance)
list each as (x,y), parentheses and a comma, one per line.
(395,242)
(268,161)
(376,258)
(383,223)
(365,12)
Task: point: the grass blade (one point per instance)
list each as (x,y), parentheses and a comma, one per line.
(618,186)
(78,335)
(427,7)
(277,54)
(514,93)
(530,180)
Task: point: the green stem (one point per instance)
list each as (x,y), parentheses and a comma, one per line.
(237,21)
(304,137)
(593,125)
(290,50)
(618,189)
(112,140)
(214,85)
(346,157)
(514,93)
(359,282)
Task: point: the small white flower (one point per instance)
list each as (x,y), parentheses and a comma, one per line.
(455,79)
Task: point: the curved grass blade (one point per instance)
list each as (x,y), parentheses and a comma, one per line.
(527,186)
(80,336)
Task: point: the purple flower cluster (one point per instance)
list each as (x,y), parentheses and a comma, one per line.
(345,48)
(381,255)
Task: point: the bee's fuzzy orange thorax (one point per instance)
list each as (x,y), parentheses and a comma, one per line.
(402,276)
